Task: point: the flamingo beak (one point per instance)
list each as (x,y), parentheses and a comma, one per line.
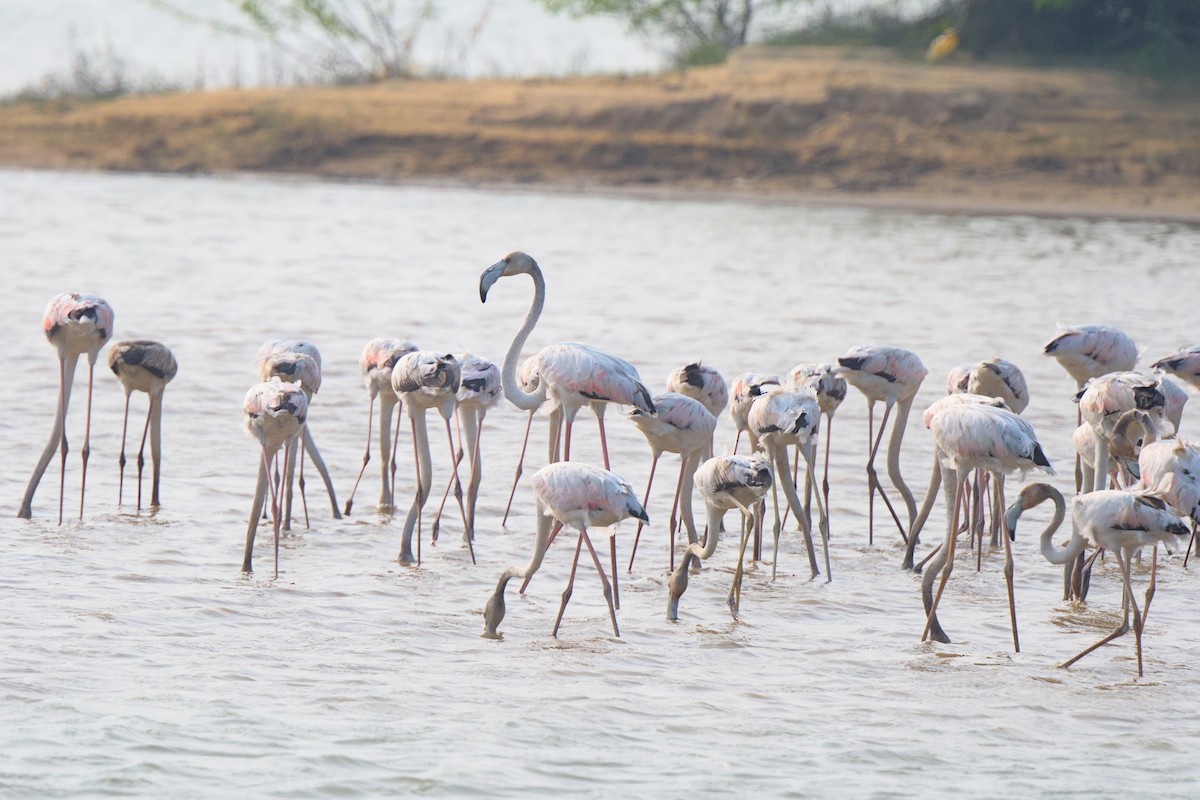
(489,277)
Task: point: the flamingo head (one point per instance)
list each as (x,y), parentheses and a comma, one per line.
(515,263)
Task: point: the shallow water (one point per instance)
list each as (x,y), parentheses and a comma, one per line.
(137,661)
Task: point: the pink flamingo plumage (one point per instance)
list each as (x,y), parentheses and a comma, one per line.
(583,497)
(74,324)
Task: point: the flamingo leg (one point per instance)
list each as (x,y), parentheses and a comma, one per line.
(737,440)
(645,500)
(64,448)
(1008,564)
(458,490)
(1121,629)
(366,456)
(822,510)
(775,500)
(872,447)
(392,461)
(87,433)
(475,446)
(519,470)
(612,548)
(604,451)
(825,473)
(1153,583)
(141,458)
(288,455)
(121,458)
(454,457)
(300,482)
(779,454)
(608,591)
(1188,552)
(566,595)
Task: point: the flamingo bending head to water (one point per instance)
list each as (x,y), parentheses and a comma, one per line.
(144,366)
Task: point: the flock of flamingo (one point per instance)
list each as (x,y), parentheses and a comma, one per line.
(1136,481)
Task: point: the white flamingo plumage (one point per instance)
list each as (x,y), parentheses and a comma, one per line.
(744,390)
(996,377)
(725,482)
(891,375)
(376,363)
(701,382)
(583,497)
(1102,403)
(970,437)
(570,374)
(274,413)
(1183,364)
(682,425)
(144,366)
(1170,470)
(958,378)
(272,360)
(74,324)
(779,418)
(1119,521)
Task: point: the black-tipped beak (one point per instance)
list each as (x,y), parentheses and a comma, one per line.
(1010,520)
(637,512)
(488,278)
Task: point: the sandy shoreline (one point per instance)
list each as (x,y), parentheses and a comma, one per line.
(816,127)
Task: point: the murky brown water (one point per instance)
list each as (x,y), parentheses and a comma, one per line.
(136,660)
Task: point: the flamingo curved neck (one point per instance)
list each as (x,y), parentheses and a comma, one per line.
(1073,548)
(893,458)
(523,400)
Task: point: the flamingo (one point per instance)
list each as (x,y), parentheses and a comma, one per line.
(424,380)
(1089,351)
(1183,364)
(1175,397)
(830,389)
(1171,470)
(581,496)
(977,437)
(265,353)
(935,475)
(725,482)
(891,375)
(378,359)
(701,382)
(74,324)
(745,389)
(996,377)
(1102,403)
(274,414)
(479,389)
(958,378)
(679,424)
(1132,431)
(302,369)
(572,375)
(144,366)
(1119,521)
(779,418)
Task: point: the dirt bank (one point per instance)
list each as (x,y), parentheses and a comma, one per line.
(835,124)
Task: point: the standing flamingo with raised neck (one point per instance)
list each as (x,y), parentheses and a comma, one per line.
(274,412)
(725,482)
(977,437)
(308,445)
(780,418)
(74,324)
(701,382)
(1087,352)
(891,375)
(682,425)
(376,363)
(936,477)
(1119,521)
(583,497)
(144,366)
(744,390)
(571,375)
(425,380)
